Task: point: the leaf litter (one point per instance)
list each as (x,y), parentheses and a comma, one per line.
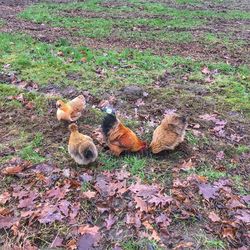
(145,209)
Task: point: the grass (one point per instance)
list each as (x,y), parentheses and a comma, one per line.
(207,171)
(234,93)
(101,28)
(29,151)
(109,162)
(38,100)
(162,28)
(135,166)
(141,244)
(208,243)
(191,138)
(2,22)
(34,60)
(241,149)
(239,185)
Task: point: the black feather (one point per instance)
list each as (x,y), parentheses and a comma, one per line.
(88,154)
(108,122)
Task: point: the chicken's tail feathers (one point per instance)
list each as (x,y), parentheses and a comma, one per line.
(108,123)
(89,153)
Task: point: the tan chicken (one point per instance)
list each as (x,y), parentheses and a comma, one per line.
(81,147)
(120,138)
(169,134)
(72,110)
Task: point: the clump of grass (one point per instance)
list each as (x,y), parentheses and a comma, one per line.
(239,184)
(241,149)
(2,22)
(191,138)
(135,165)
(109,162)
(132,244)
(209,243)
(29,152)
(210,172)
(207,171)
(215,244)
(85,186)
(232,92)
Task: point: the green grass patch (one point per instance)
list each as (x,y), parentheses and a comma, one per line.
(108,162)
(188,1)
(239,185)
(158,8)
(8,91)
(41,63)
(135,165)
(139,244)
(241,149)
(233,92)
(191,138)
(2,22)
(29,151)
(163,36)
(208,243)
(207,171)
(101,28)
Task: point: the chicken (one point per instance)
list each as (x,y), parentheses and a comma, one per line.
(81,147)
(169,134)
(120,138)
(71,110)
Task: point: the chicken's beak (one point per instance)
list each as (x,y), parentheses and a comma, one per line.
(144,147)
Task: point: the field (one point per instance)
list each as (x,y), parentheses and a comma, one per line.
(145,58)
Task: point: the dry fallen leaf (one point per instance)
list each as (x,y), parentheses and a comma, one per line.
(208,191)
(110,221)
(89,194)
(12,170)
(187,165)
(244,216)
(205,70)
(4,197)
(4,211)
(141,204)
(57,242)
(154,235)
(228,232)
(98,135)
(184,245)
(147,225)
(90,236)
(88,229)
(60,53)
(7,222)
(214,217)
(84,60)
(71,244)
(30,105)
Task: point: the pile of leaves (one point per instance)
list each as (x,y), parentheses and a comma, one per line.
(106,208)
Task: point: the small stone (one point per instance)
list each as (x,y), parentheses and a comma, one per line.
(133,91)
